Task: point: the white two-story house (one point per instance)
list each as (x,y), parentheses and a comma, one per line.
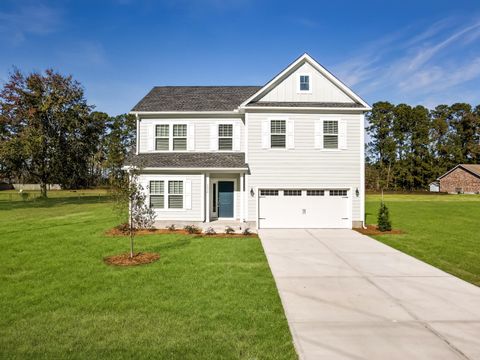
(289,154)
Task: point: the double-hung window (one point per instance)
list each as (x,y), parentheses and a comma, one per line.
(304,83)
(278,133)
(162,137)
(157,194)
(330,134)
(225,137)
(175,194)
(179,137)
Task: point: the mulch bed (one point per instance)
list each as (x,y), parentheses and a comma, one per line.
(125,259)
(372,230)
(122,230)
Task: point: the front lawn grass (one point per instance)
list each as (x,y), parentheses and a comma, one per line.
(206,298)
(442,230)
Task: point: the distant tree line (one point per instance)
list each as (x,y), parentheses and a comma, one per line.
(410,146)
(50,134)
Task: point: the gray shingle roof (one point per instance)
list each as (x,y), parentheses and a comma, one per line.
(307,104)
(187,160)
(195,98)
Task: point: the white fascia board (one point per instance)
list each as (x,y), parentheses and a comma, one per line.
(317,66)
(236,111)
(299,109)
(184,169)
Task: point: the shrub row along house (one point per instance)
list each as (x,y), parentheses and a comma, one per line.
(289,154)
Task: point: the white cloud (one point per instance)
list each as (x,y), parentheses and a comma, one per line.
(29,19)
(423,65)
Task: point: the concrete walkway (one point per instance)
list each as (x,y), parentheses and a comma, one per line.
(347,296)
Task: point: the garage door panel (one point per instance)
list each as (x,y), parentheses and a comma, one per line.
(304,211)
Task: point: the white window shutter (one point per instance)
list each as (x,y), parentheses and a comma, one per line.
(151,138)
(187,195)
(318,134)
(190,137)
(342,134)
(290,134)
(214,137)
(265,134)
(236,137)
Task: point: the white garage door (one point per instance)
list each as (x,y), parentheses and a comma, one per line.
(300,208)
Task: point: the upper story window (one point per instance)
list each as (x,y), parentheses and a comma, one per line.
(304,83)
(278,132)
(330,134)
(179,137)
(171,137)
(225,137)
(162,137)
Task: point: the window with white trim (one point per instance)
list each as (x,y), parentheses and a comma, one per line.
(162,137)
(179,137)
(225,137)
(175,194)
(268,192)
(278,134)
(292,192)
(338,192)
(315,192)
(157,194)
(304,83)
(330,134)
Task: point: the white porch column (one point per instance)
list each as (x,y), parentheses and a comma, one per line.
(207,197)
(202,197)
(242,197)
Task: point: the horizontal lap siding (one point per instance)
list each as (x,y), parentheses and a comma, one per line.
(193,214)
(202,131)
(304,166)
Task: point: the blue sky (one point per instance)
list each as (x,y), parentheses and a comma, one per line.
(419,52)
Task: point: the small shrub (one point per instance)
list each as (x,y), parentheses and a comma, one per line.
(229,230)
(209,231)
(192,229)
(246,231)
(24,196)
(171,227)
(384,223)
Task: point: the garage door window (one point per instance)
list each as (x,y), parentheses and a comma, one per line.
(268,192)
(278,132)
(292,192)
(315,192)
(338,192)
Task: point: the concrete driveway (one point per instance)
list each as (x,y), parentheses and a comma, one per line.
(347,296)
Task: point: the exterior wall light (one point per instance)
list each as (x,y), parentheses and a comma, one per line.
(357,192)
(252,193)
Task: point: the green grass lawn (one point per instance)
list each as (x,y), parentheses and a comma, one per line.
(442,230)
(206,298)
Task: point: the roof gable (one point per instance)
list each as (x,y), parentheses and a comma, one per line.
(473,169)
(325,87)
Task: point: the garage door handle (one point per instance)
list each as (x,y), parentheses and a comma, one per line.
(345,218)
(262,218)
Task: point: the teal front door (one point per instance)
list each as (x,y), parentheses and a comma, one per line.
(225,199)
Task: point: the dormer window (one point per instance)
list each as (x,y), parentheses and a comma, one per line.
(304,83)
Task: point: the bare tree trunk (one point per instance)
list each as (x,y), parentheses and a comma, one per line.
(131,229)
(43,189)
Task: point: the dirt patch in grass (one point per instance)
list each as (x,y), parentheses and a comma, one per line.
(137,259)
(373,230)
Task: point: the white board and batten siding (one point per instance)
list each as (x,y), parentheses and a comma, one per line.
(305,164)
(192,196)
(202,133)
(322,89)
